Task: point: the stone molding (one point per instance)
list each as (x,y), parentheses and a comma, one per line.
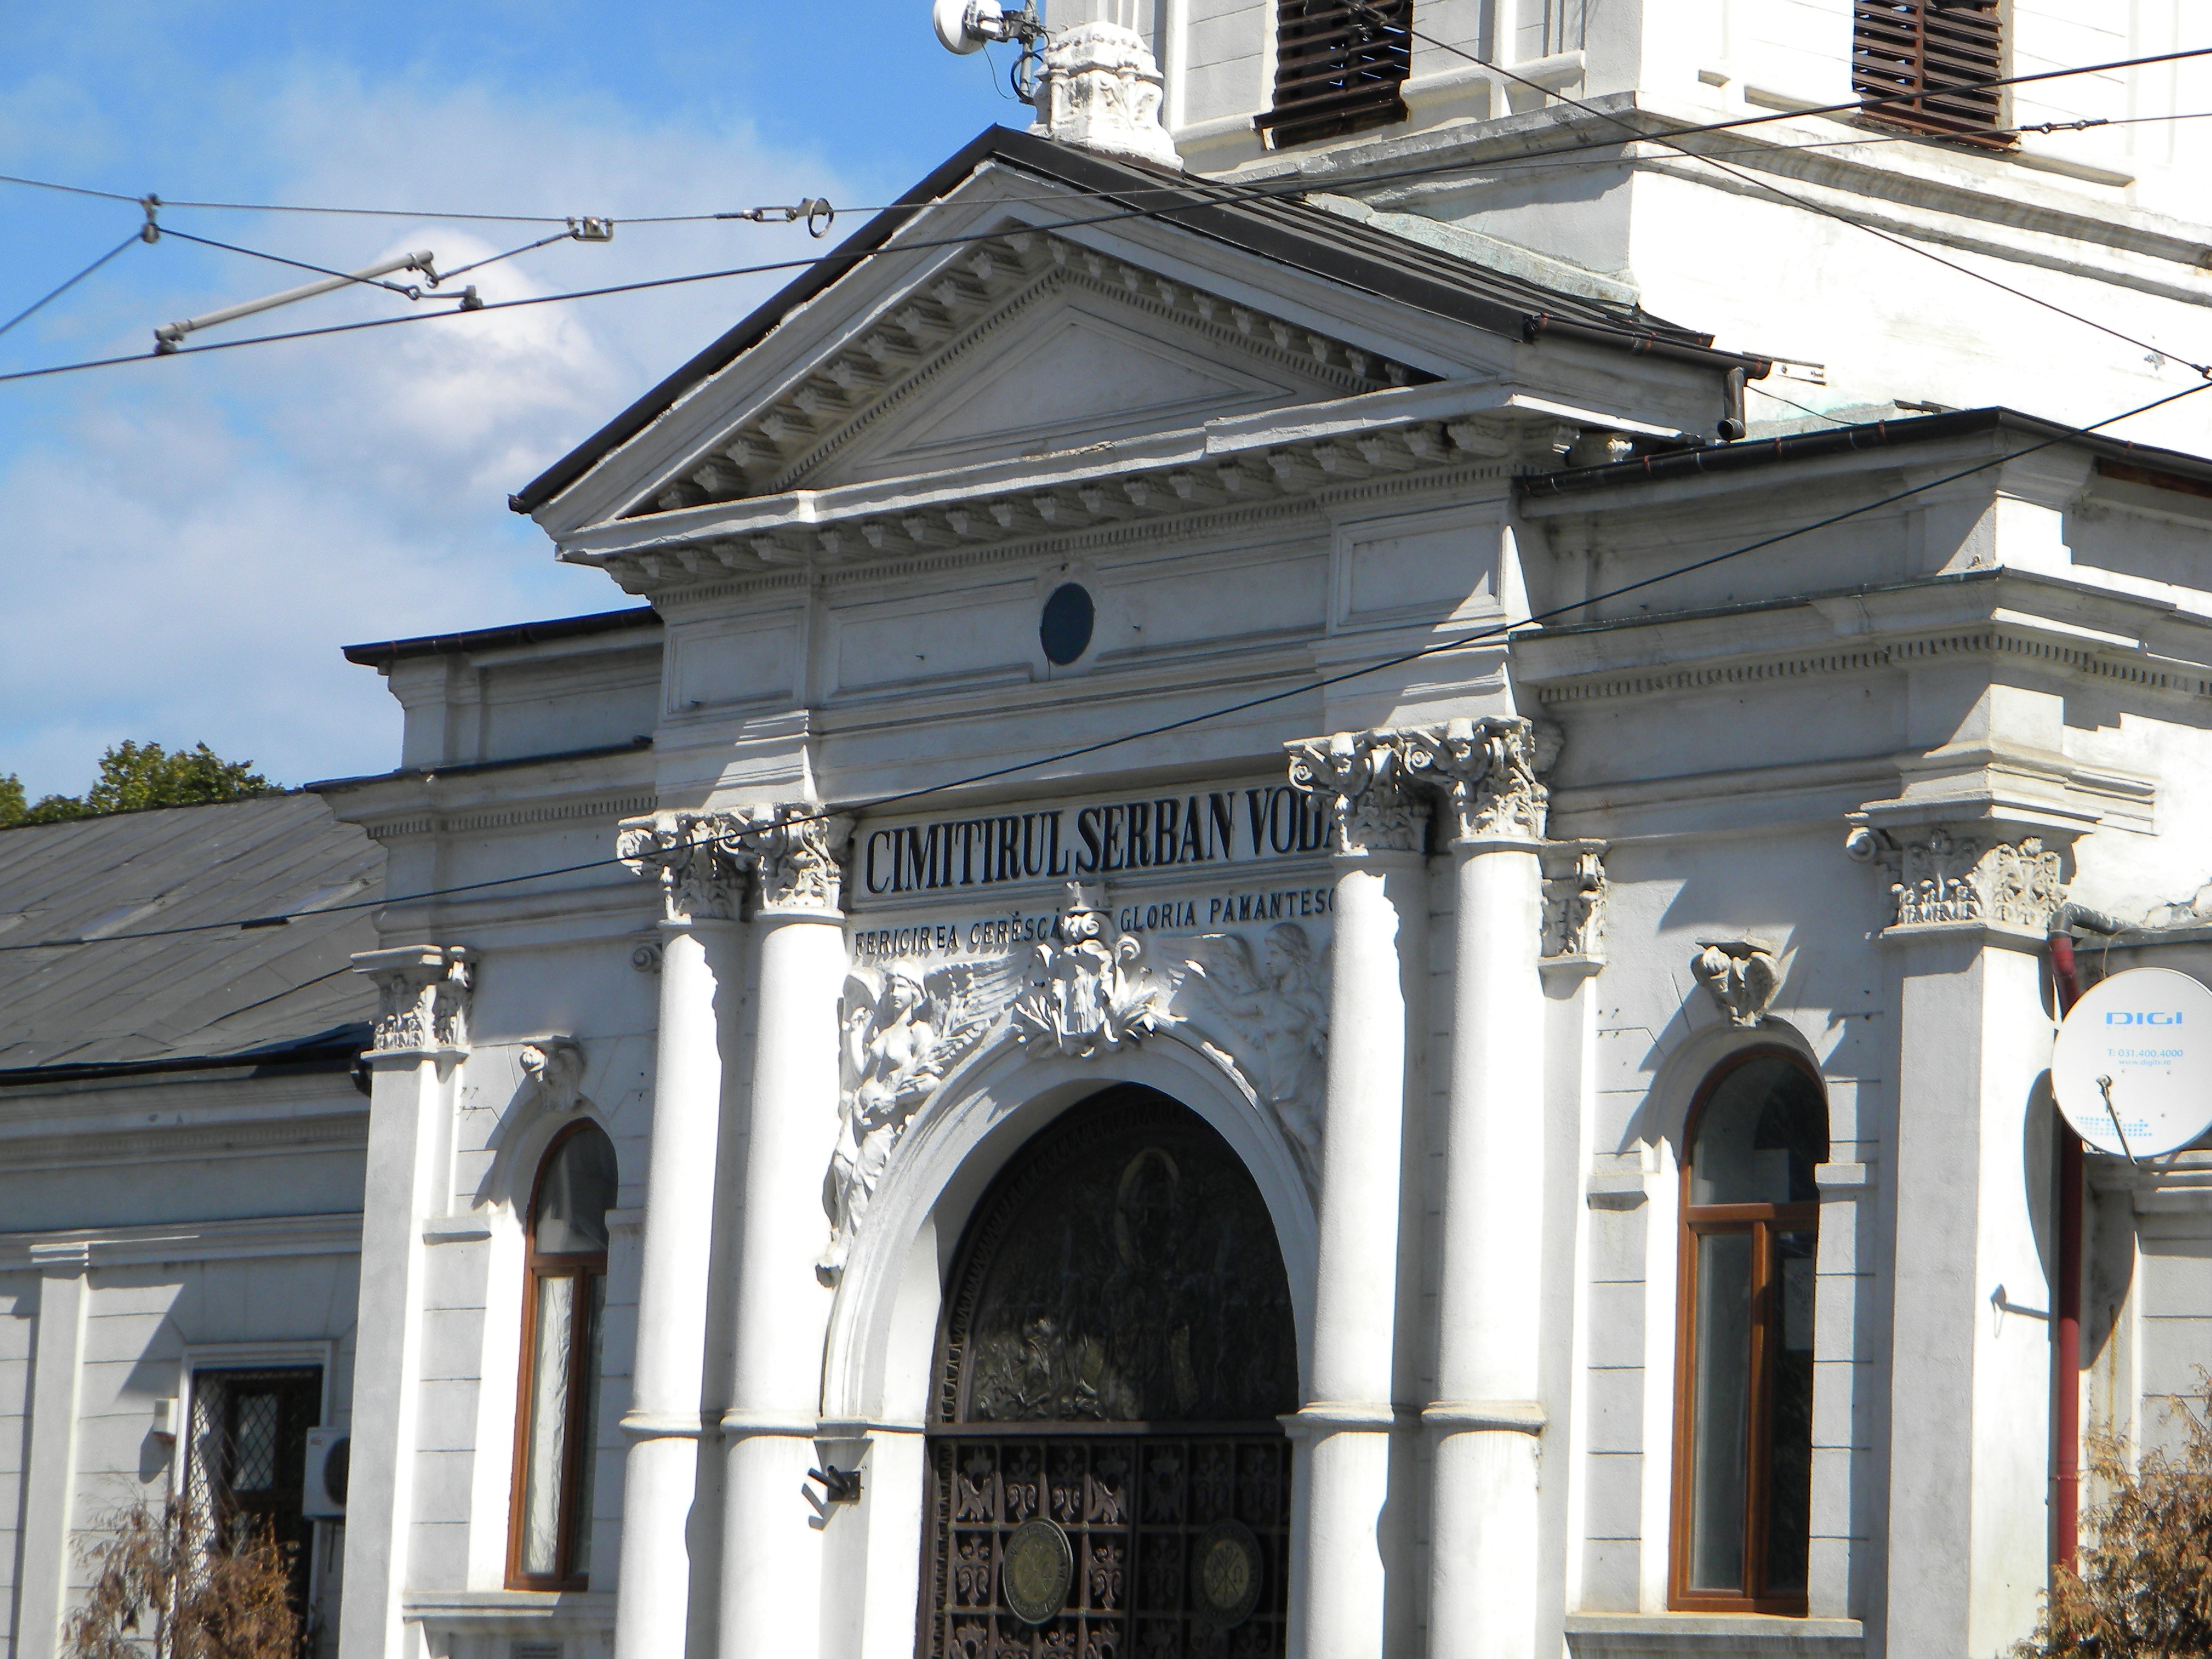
(1743,974)
(422,993)
(1102,91)
(1941,878)
(1485,770)
(188,1240)
(1362,777)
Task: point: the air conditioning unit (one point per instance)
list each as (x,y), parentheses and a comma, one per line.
(323,1493)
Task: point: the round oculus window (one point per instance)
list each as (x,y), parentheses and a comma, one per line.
(1065,630)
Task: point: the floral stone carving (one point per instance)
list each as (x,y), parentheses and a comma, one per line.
(1088,991)
(1270,1010)
(1361,775)
(1487,770)
(700,868)
(1102,91)
(901,1035)
(796,849)
(1574,898)
(1742,975)
(423,996)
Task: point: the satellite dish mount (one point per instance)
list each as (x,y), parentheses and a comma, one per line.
(966,26)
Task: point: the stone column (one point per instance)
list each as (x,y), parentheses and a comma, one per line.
(420,1037)
(1970,1383)
(701,883)
(771,1533)
(1486,1419)
(1340,1595)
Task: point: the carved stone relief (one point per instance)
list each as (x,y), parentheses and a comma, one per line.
(1361,775)
(1486,771)
(422,993)
(1102,91)
(1089,991)
(1943,877)
(903,1032)
(554,1069)
(1574,898)
(1266,1011)
(1742,975)
(796,849)
(704,859)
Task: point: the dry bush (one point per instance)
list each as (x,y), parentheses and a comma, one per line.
(166,1585)
(2142,1586)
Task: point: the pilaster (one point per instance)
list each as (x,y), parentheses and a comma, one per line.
(50,1465)
(420,1040)
(1969,1381)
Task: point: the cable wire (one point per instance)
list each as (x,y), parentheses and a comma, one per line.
(1859,106)
(1459,642)
(135,236)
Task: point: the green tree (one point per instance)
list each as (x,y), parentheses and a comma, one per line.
(133,775)
(2143,1585)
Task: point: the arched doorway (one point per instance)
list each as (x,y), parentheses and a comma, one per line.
(1106,1474)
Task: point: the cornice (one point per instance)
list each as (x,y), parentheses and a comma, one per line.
(1987,640)
(1138,526)
(336,1234)
(187,1143)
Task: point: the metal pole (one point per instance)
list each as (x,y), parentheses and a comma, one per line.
(167,337)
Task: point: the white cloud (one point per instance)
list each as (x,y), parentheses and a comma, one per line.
(187,543)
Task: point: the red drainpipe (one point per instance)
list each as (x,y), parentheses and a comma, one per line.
(2066,1356)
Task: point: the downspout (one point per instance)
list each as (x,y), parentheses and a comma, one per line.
(2066,1327)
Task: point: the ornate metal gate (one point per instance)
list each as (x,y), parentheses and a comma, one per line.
(1107,1479)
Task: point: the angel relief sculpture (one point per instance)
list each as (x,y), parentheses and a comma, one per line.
(1272,1009)
(900,1042)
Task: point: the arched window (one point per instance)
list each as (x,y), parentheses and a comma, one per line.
(564,1301)
(1743,1402)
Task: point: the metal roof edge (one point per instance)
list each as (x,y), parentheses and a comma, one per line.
(1750,452)
(334,1050)
(383,654)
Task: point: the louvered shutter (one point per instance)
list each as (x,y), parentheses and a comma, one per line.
(1930,49)
(1338,68)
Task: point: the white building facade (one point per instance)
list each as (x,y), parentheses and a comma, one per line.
(1255,956)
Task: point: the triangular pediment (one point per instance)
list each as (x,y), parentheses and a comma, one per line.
(1032,345)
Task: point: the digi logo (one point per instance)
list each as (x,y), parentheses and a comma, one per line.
(2120,1017)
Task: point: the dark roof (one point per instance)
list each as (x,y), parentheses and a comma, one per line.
(2172,469)
(242,995)
(1274,226)
(384,654)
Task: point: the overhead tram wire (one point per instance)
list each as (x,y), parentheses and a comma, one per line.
(1859,106)
(56,294)
(1459,642)
(1211,193)
(1669,140)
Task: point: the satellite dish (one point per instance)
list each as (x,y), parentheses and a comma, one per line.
(961,24)
(2133,1067)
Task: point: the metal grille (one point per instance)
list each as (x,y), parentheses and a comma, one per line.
(1935,50)
(1134,1509)
(1338,66)
(247,1462)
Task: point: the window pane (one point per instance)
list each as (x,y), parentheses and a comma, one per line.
(1790,1440)
(1720,1433)
(1760,1133)
(254,1444)
(574,1193)
(548,1437)
(588,1425)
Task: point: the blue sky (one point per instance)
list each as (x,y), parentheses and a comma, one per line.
(186,543)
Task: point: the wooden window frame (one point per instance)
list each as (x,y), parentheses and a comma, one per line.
(1761,1222)
(582,1437)
(1892,53)
(1302,109)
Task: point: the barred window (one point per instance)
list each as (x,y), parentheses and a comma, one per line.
(1338,67)
(1937,51)
(246,1465)
(563,1308)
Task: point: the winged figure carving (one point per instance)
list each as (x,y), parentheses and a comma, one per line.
(1269,1006)
(901,1040)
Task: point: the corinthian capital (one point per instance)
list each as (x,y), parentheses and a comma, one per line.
(423,996)
(1487,770)
(1361,775)
(700,868)
(797,848)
